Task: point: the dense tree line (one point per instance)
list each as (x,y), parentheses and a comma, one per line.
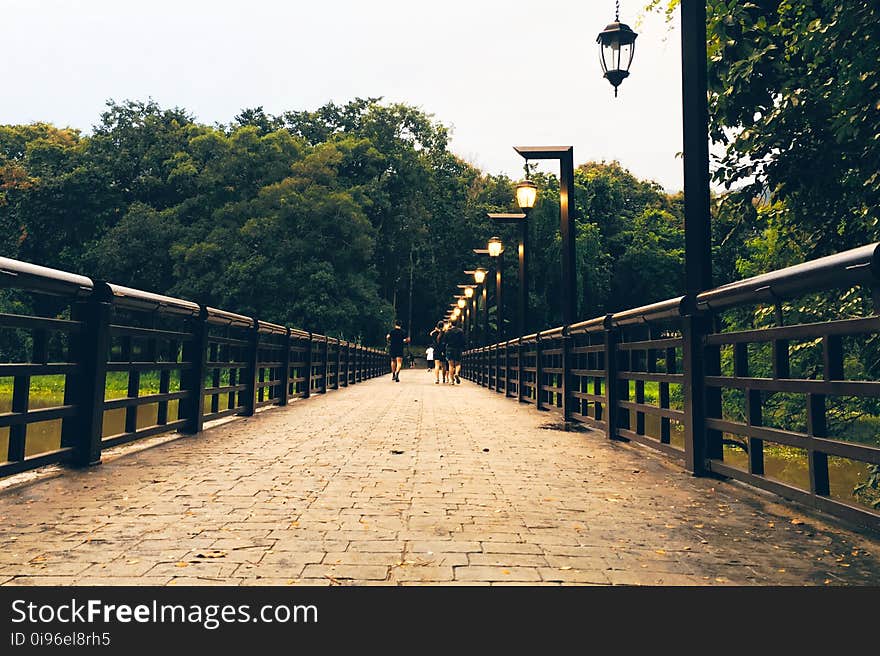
(330,220)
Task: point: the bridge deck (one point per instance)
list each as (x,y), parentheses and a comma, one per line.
(317,493)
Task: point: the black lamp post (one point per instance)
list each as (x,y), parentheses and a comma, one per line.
(468,294)
(616,50)
(461,304)
(520,219)
(496,248)
(480,278)
(695,122)
(565,155)
(617,45)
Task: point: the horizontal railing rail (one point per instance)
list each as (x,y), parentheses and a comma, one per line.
(725,398)
(849,268)
(122,364)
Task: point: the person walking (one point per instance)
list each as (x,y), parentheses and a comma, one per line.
(396,339)
(429,356)
(438,341)
(454,349)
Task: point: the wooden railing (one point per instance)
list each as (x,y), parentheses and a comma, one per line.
(203,364)
(681,377)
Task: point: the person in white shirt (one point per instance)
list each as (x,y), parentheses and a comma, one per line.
(429,354)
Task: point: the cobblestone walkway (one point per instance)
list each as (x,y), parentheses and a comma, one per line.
(410,483)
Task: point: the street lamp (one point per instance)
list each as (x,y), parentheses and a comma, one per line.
(480,278)
(565,155)
(520,219)
(470,313)
(496,248)
(461,303)
(617,45)
(526,195)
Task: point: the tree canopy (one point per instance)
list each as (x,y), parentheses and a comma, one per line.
(331,220)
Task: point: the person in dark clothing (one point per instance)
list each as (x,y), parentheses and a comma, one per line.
(454,349)
(396,339)
(438,341)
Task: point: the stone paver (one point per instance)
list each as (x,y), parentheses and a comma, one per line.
(410,484)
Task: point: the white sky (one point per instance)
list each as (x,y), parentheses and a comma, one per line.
(498,72)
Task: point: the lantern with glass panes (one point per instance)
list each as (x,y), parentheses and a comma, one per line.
(617,45)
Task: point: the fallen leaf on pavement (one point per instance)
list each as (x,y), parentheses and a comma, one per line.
(211,554)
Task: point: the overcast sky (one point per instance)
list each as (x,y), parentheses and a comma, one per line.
(498,72)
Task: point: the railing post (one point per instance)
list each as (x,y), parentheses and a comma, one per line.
(192,379)
(284,397)
(612,390)
(490,359)
(354,365)
(84,433)
(325,350)
(338,364)
(357,363)
(507,368)
(487,364)
(498,367)
(567,398)
(307,387)
(251,371)
(538,373)
(520,374)
(693,366)
(347,362)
